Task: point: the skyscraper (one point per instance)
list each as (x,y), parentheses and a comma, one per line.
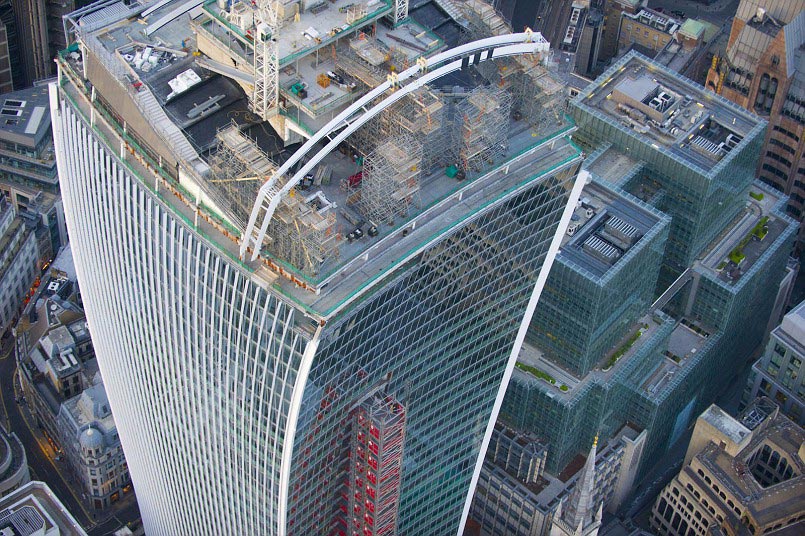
(335,367)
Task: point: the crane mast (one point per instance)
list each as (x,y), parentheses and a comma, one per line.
(265,97)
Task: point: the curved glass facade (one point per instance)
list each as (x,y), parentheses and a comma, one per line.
(240,410)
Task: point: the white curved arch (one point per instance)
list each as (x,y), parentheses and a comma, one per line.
(269,196)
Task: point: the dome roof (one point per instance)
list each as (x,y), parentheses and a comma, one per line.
(91,439)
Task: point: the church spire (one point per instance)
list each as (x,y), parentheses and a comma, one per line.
(580,507)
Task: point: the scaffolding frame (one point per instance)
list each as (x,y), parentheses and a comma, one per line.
(484,117)
(303,229)
(390,183)
(239,167)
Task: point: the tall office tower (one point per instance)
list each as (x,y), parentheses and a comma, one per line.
(41,35)
(662,360)
(607,270)
(12,74)
(763,70)
(779,373)
(266,344)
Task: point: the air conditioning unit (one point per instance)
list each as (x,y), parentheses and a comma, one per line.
(572,228)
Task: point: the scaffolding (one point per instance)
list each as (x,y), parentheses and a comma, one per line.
(484,117)
(302,229)
(390,181)
(423,115)
(483,20)
(239,167)
(536,94)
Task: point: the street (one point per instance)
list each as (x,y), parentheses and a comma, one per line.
(43,467)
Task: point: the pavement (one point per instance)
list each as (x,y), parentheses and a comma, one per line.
(41,458)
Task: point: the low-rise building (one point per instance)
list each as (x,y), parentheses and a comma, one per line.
(515,496)
(94,453)
(65,390)
(18,267)
(740,476)
(649,30)
(34,510)
(780,373)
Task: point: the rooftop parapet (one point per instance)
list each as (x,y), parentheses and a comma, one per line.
(604,228)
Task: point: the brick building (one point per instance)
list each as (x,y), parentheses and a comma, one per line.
(763,70)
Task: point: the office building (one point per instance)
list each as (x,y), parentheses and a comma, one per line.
(613,11)
(740,476)
(34,510)
(588,49)
(13,463)
(696,152)
(12,75)
(779,373)
(647,31)
(91,445)
(662,359)
(28,167)
(763,70)
(41,35)
(18,263)
(252,325)
(603,278)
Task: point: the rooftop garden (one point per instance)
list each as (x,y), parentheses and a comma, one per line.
(620,352)
(542,375)
(759,232)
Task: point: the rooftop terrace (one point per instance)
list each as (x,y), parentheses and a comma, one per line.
(686,343)
(644,334)
(199,106)
(669,112)
(753,231)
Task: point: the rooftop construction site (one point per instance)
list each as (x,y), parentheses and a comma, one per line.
(217,95)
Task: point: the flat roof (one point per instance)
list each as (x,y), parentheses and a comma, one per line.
(650,326)
(605,226)
(725,423)
(669,112)
(687,342)
(792,329)
(752,232)
(25,116)
(36,503)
